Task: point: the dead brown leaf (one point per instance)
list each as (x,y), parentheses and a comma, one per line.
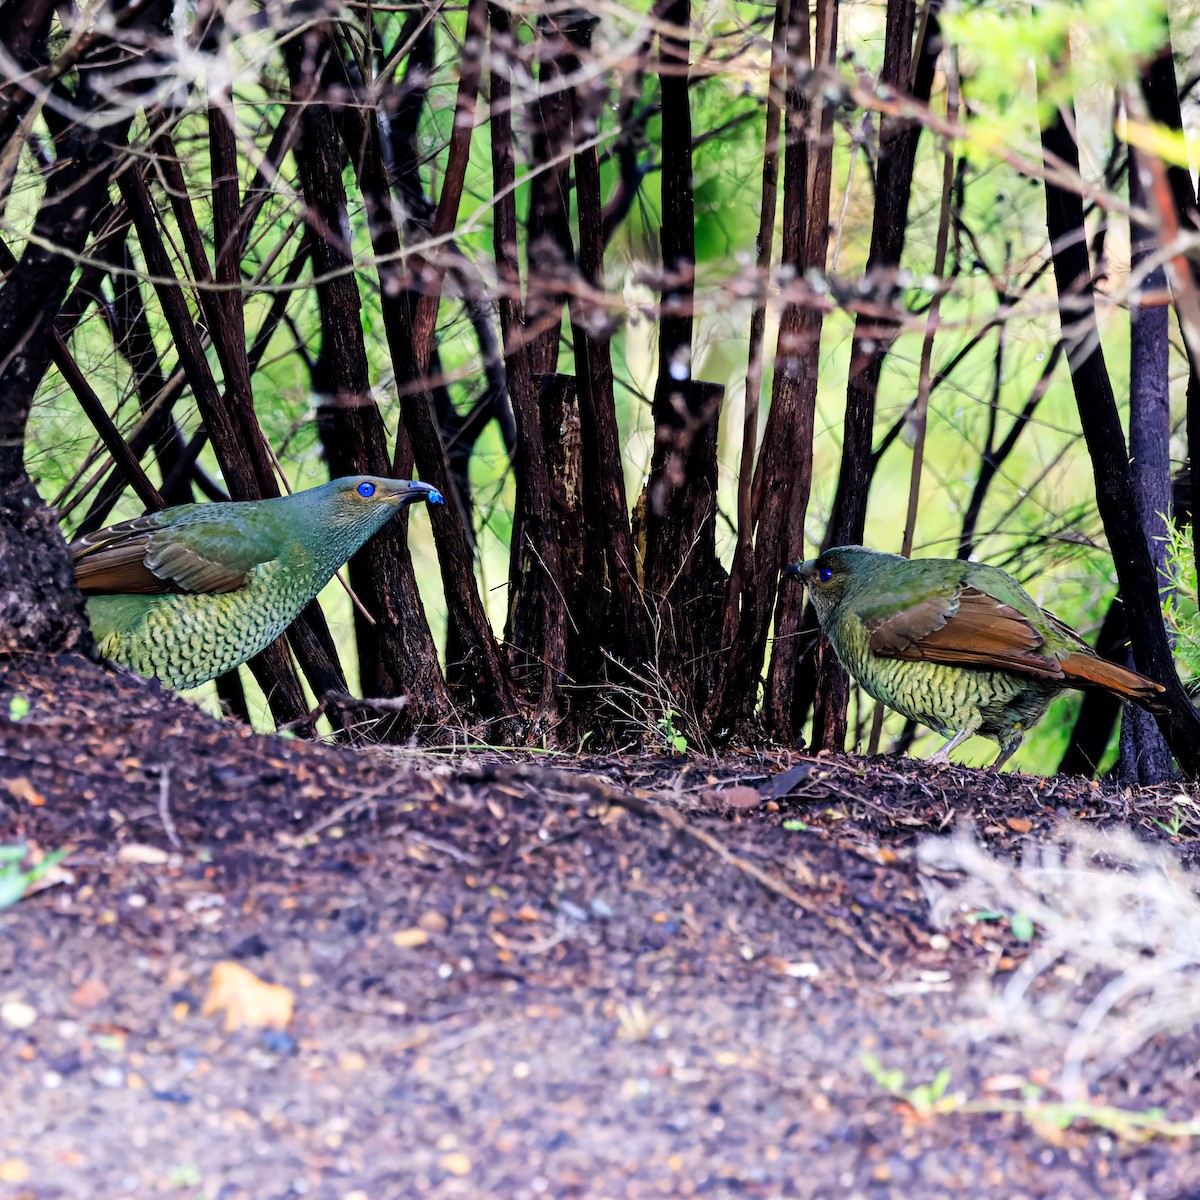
(247,1000)
(22,789)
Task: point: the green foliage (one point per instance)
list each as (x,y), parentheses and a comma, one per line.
(934,1099)
(925,1099)
(1039,519)
(672,739)
(1177,823)
(1074,45)
(15,878)
(1179,605)
(1020,924)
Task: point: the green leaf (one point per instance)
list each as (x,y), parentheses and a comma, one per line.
(18,707)
(1022,927)
(792,825)
(984,914)
(12,887)
(51,860)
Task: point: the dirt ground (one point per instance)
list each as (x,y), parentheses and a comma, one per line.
(526,976)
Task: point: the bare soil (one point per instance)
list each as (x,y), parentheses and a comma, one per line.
(516,975)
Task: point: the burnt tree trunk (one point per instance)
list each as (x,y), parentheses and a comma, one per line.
(683,580)
(480,676)
(794,389)
(618,622)
(684,583)
(1145,757)
(558,414)
(735,690)
(24,33)
(898,138)
(397,656)
(1101,424)
(1162,102)
(549,246)
(1099,710)
(308,636)
(40,607)
(537,623)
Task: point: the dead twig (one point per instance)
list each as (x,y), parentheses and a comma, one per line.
(649,804)
(164,807)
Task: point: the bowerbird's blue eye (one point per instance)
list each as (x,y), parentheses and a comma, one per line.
(825,574)
(366,490)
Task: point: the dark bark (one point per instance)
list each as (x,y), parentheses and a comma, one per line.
(1105,440)
(40,607)
(1099,710)
(93,407)
(460,430)
(400,148)
(476,670)
(309,635)
(675,521)
(433,265)
(873,335)
(683,580)
(158,394)
(1162,102)
(1145,757)
(127,325)
(134,341)
(621,625)
(558,409)
(549,245)
(794,392)
(677,235)
(537,624)
(396,653)
(24,29)
(480,674)
(232,696)
(236,439)
(735,690)
(783,475)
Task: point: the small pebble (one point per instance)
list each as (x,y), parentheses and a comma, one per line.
(455,1164)
(16,1014)
(433,922)
(109,1077)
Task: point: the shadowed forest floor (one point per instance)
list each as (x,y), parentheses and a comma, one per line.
(519,976)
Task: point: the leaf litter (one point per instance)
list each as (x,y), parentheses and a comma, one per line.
(517,976)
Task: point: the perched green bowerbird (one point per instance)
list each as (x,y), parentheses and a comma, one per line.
(958,646)
(187,593)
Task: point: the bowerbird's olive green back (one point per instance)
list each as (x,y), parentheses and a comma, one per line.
(185,594)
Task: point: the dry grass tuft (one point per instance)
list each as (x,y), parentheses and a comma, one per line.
(1113,927)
